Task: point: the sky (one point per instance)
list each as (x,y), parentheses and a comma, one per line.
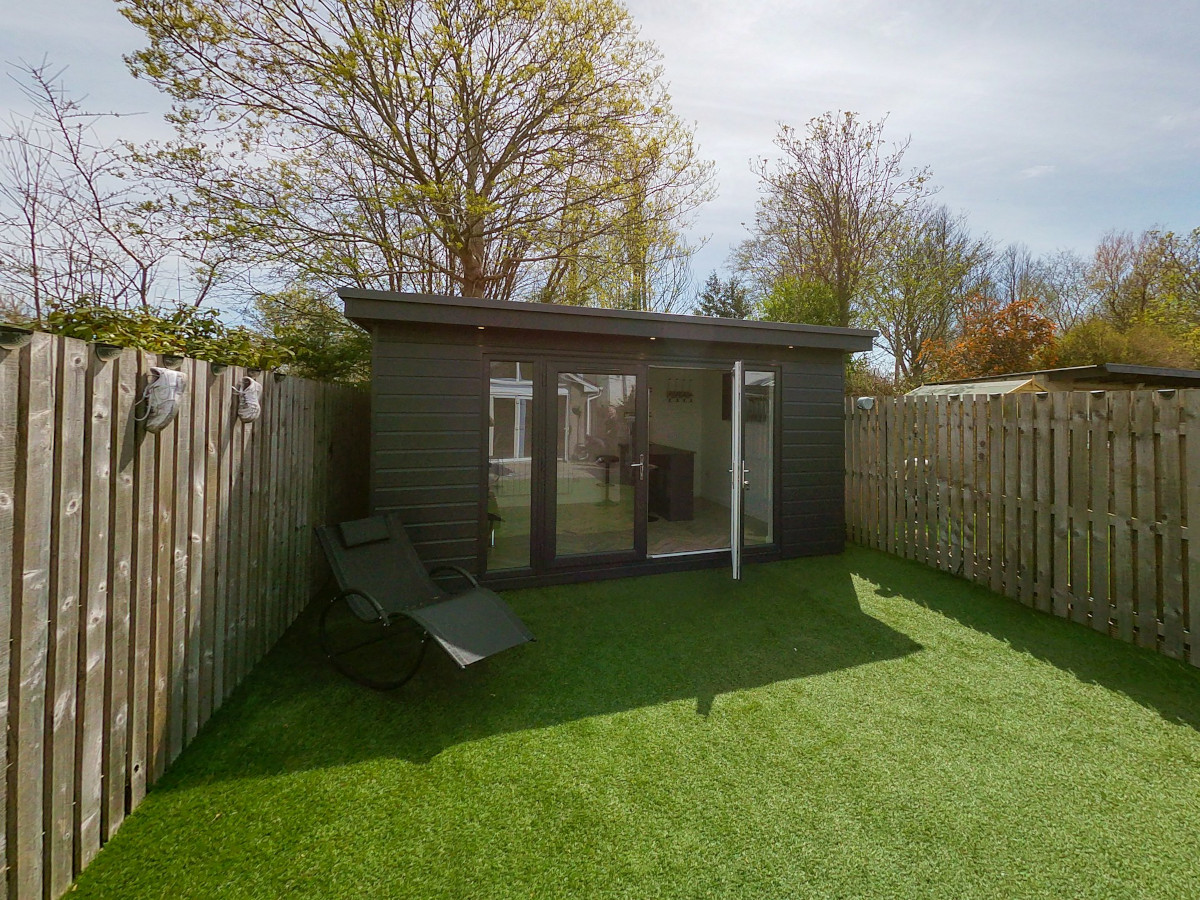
(1047,123)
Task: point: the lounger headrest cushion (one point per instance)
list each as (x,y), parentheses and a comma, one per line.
(364,531)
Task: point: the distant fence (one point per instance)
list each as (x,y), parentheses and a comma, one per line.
(142,575)
(1086,505)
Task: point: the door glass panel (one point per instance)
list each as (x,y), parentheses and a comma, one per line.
(758,438)
(510,408)
(595,491)
(688,503)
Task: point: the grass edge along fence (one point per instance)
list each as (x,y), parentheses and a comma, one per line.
(142,574)
(1081,504)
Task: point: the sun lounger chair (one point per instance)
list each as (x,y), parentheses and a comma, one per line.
(383,584)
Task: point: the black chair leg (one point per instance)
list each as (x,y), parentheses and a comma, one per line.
(338,656)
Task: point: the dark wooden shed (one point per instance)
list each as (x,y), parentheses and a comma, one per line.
(534,443)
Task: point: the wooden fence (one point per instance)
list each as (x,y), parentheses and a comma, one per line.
(142,575)
(1079,504)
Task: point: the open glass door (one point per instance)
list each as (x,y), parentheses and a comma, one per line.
(596,484)
(737,466)
(752,462)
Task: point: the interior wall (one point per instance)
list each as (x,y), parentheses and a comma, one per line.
(714,477)
(677,424)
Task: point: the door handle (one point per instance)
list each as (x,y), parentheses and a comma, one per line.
(745,476)
(640,465)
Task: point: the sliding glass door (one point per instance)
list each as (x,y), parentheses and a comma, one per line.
(596,477)
(598,463)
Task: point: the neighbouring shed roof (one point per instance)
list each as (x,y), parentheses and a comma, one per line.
(960,388)
(370,307)
(1112,373)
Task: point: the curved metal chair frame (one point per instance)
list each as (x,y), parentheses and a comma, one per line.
(382,583)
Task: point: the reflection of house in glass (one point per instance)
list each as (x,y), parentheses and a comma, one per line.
(510,451)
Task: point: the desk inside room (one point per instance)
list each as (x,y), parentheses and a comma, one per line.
(672,472)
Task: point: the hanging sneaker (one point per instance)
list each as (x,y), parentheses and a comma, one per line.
(162,396)
(249,399)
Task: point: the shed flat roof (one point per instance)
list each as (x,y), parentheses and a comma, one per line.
(364,307)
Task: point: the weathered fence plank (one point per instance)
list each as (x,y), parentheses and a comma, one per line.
(143,622)
(1121,409)
(62,669)
(198,441)
(1083,504)
(1044,516)
(93,646)
(1167,480)
(118,659)
(32,602)
(1078,499)
(129,560)
(1145,509)
(1101,496)
(10,387)
(1026,564)
(1191,509)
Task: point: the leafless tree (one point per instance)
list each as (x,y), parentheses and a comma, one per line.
(933,265)
(829,205)
(75,228)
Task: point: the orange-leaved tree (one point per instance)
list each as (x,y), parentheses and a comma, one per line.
(993,338)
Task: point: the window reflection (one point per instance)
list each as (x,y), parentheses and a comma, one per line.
(510,412)
(758,440)
(594,492)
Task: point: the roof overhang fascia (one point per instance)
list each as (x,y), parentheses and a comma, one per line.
(367,307)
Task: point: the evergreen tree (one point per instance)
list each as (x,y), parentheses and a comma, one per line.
(725,299)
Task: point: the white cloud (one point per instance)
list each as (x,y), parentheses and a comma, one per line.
(1106,89)
(1036,172)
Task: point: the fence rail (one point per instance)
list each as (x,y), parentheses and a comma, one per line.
(1079,504)
(142,575)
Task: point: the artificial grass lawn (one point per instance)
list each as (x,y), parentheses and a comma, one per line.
(853,726)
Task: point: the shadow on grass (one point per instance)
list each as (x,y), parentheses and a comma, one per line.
(1169,687)
(602,648)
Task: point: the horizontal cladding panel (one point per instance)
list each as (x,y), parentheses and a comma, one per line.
(425,460)
(427,440)
(434,347)
(814,548)
(797,446)
(796,412)
(456,552)
(426,532)
(825,385)
(416,403)
(831,464)
(795,481)
(818,509)
(799,501)
(797,464)
(797,530)
(453,383)
(798,440)
(412,478)
(415,496)
(797,425)
(420,514)
(819,363)
(398,422)
(804,410)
